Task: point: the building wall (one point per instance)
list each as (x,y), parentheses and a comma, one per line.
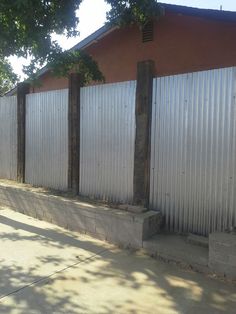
(49,82)
(181,44)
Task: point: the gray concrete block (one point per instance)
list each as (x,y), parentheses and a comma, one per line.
(152,224)
(198,240)
(176,248)
(131,234)
(222,254)
(115,225)
(103,225)
(218,256)
(77,224)
(232,259)
(133,208)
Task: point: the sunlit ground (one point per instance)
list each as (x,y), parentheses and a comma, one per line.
(45,269)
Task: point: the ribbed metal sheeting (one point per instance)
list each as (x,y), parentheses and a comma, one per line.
(107,141)
(193,150)
(47,139)
(8,137)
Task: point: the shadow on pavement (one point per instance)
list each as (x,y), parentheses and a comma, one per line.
(105,279)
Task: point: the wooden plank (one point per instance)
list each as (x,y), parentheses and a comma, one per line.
(22,90)
(143,113)
(74,132)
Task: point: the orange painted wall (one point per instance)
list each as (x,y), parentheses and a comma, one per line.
(48,82)
(181,44)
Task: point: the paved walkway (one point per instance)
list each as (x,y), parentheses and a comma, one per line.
(45,269)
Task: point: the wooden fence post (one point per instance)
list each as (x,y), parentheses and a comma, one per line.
(22,90)
(74,132)
(143,113)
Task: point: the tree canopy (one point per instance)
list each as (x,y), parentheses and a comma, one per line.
(26,28)
(139,12)
(7,77)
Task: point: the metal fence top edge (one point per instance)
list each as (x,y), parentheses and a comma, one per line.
(233,68)
(51,92)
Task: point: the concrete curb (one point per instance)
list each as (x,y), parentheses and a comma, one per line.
(113,225)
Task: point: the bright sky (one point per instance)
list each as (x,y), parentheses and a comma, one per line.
(92,15)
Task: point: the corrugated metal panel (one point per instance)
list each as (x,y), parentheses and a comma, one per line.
(107,141)
(47,139)
(193,154)
(8,137)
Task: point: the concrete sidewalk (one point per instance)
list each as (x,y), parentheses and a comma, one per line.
(46,269)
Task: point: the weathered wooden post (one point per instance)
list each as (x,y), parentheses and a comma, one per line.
(74,132)
(143,113)
(22,91)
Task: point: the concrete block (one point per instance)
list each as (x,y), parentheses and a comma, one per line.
(103,225)
(176,248)
(198,240)
(115,225)
(77,224)
(131,234)
(152,224)
(222,254)
(133,208)
(232,259)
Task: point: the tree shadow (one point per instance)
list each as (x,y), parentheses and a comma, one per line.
(105,280)
(54,237)
(30,299)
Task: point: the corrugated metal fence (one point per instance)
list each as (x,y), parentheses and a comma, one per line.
(8,137)
(107,141)
(47,139)
(193,153)
(193,149)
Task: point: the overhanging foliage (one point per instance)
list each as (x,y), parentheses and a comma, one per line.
(26,28)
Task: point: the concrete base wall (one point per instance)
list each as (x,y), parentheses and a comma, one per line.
(114,225)
(222,254)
